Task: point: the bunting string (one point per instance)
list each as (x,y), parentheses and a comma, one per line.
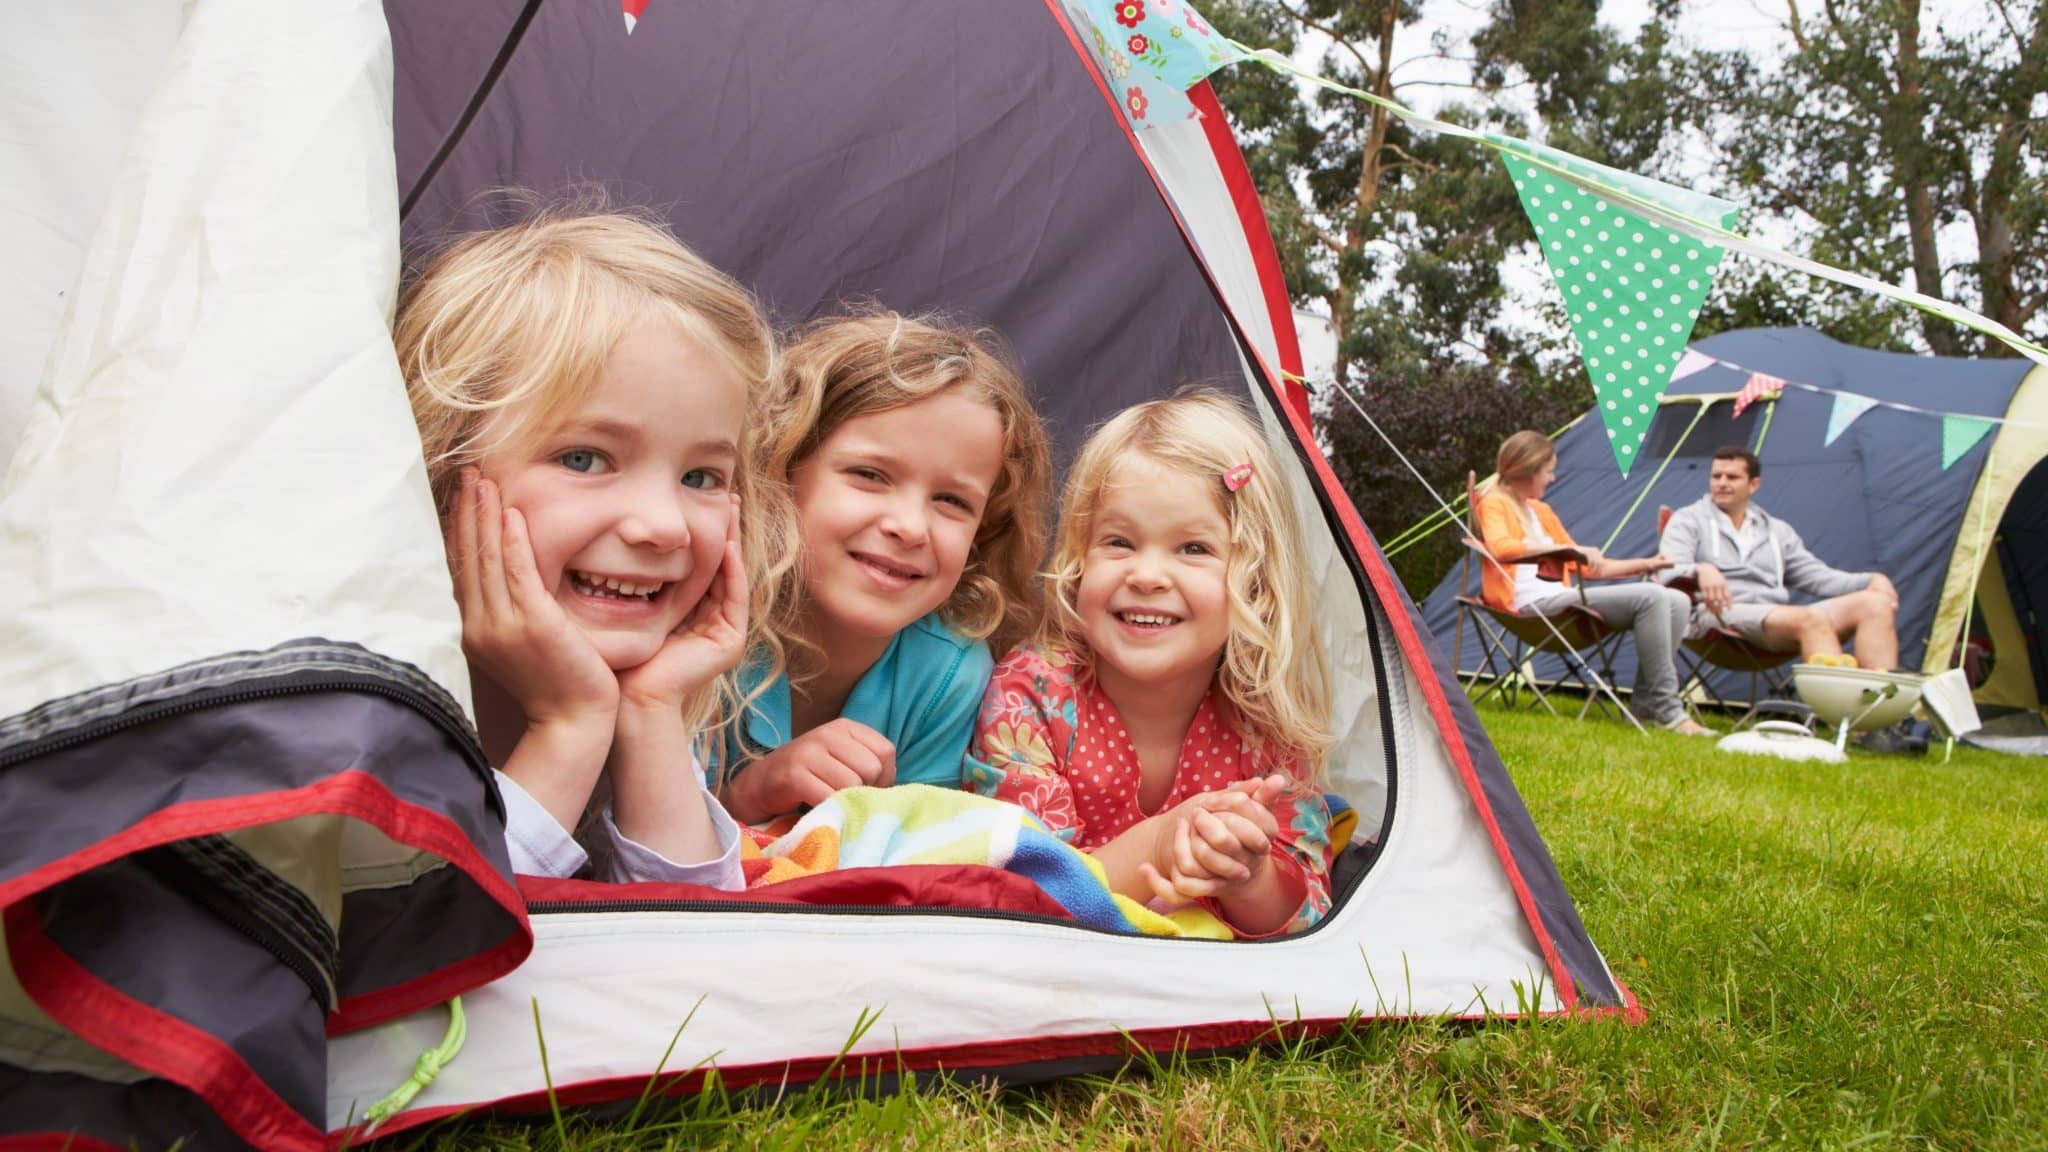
(1663,204)
(1873,402)
(1633,257)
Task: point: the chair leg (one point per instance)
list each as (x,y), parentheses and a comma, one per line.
(1525,673)
(1499,665)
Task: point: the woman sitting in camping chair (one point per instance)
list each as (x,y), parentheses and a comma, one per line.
(1516,525)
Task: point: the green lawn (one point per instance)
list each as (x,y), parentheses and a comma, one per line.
(1832,957)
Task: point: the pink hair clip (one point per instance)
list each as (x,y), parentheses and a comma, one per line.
(1237,477)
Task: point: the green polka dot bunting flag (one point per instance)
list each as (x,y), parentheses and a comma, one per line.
(1631,288)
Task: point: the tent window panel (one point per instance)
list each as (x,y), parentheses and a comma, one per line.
(1719,426)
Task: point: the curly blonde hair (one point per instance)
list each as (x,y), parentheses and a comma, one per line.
(502,333)
(844,367)
(1273,674)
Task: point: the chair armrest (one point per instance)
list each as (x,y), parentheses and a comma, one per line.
(1551,563)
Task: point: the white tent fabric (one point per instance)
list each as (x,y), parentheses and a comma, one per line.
(232,693)
(228,332)
(73,78)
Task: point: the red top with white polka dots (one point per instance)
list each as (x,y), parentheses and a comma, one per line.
(1049,739)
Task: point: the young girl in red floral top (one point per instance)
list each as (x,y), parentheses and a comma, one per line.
(1173,713)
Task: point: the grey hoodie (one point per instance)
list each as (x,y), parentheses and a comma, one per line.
(1699,534)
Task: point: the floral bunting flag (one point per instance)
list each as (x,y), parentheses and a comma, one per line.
(1151,52)
(1848,406)
(1959,434)
(1631,288)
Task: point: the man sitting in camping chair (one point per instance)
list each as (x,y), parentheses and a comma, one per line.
(1745,562)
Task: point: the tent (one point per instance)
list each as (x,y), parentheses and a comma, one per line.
(975,159)
(1876,498)
(241,805)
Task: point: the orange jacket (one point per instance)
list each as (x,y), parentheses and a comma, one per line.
(1506,535)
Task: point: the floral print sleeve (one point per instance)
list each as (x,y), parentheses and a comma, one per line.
(1023,737)
(1303,853)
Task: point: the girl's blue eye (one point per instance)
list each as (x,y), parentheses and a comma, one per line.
(702,478)
(581,460)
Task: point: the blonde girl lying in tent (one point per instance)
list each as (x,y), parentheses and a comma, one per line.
(584,387)
(1172,715)
(918,469)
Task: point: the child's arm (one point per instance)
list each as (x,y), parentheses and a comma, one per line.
(1297,859)
(516,634)
(807,771)
(1256,854)
(1019,749)
(1201,848)
(659,801)
(665,825)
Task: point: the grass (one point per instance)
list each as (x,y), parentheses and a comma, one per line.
(1832,957)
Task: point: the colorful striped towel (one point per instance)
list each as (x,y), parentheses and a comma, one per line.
(920,824)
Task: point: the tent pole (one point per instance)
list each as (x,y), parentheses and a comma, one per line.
(1656,476)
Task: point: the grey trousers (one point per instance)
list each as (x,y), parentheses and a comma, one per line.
(1658,617)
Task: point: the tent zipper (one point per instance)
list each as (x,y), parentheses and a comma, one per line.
(419,702)
(557,907)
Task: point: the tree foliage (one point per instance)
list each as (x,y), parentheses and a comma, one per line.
(1882,133)
(1874,136)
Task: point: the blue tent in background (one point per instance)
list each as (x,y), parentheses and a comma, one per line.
(1877,498)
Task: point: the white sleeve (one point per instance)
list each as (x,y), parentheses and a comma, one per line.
(539,845)
(634,862)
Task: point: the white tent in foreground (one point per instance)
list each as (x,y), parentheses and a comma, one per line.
(217,461)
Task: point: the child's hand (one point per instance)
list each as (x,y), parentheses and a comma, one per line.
(1212,843)
(835,755)
(709,641)
(1262,790)
(511,628)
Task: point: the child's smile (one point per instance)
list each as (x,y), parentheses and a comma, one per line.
(626,499)
(1153,597)
(888,507)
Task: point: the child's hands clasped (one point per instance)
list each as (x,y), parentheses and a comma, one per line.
(1215,842)
(511,627)
(835,755)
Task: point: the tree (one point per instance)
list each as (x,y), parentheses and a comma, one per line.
(1882,134)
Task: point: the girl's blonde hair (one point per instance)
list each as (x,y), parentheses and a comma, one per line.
(502,333)
(845,367)
(1273,673)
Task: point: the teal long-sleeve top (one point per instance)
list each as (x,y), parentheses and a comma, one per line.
(922,694)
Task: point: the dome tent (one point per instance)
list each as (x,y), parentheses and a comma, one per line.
(1874,496)
(240,805)
(972,159)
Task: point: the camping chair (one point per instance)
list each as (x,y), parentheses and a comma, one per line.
(1728,650)
(1578,636)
